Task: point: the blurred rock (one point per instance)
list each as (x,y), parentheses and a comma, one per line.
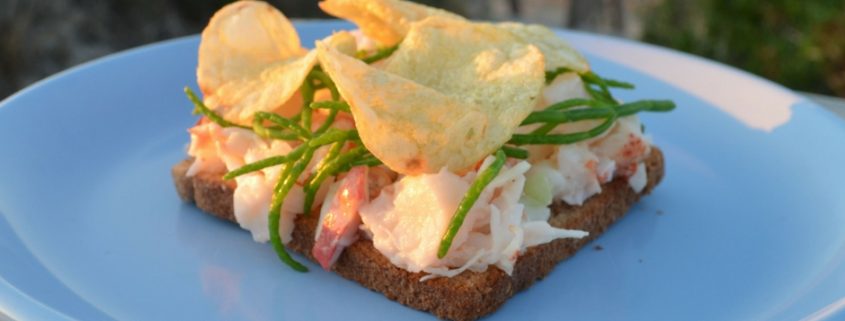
(42,37)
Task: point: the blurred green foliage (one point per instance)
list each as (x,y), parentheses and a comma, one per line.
(800,44)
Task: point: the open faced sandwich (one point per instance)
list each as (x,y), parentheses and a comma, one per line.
(445,163)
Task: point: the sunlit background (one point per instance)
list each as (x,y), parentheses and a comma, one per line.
(800,44)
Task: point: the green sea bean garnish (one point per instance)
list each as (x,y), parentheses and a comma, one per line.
(481,181)
(201,108)
(293,155)
(552,74)
(326,82)
(278,132)
(331,136)
(574,102)
(563,139)
(330,104)
(367,160)
(307,90)
(617,83)
(563,105)
(605,83)
(515,152)
(645,105)
(287,180)
(566,116)
(327,123)
(259,128)
(381,54)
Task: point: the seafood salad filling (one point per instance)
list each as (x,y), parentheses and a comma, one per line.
(442,140)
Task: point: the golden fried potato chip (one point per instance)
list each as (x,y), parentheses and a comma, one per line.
(557,51)
(385,21)
(250,59)
(475,63)
(411,128)
(452,94)
(343,41)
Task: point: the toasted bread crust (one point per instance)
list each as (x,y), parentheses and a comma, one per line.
(467,296)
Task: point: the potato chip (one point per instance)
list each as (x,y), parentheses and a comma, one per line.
(385,21)
(343,41)
(458,92)
(473,62)
(388,21)
(250,59)
(404,124)
(557,51)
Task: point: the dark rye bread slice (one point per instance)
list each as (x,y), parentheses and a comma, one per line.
(467,296)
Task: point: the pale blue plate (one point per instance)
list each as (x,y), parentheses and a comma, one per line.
(748,225)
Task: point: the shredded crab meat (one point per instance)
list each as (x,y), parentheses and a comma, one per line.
(578,171)
(407,220)
(625,143)
(217,150)
(639,179)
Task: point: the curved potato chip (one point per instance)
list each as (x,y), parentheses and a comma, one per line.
(440,111)
(385,21)
(404,124)
(271,89)
(558,52)
(343,41)
(475,63)
(250,59)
